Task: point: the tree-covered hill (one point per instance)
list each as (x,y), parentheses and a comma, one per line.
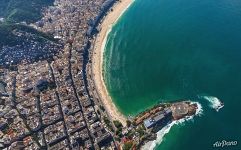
(23,10)
(8,38)
(19,41)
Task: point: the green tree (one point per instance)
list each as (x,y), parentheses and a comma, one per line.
(127,146)
(117,124)
(128,123)
(140,130)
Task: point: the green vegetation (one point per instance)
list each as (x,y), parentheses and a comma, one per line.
(106,120)
(117,124)
(8,38)
(118,132)
(108,123)
(128,123)
(23,10)
(3,5)
(127,146)
(130,134)
(141,130)
(16,11)
(102,108)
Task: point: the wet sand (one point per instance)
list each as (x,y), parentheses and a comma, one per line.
(97,59)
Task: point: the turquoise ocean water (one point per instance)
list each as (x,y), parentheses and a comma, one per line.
(166,50)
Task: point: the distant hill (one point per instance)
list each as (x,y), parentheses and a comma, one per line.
(19,41)
(8,38)
(23,10)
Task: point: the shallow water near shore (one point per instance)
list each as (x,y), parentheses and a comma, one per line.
(183,49)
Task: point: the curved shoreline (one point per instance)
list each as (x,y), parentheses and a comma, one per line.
(97,58)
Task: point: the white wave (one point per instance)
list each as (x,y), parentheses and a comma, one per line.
(214,102)
(121,14)
(160,134)
(199,111)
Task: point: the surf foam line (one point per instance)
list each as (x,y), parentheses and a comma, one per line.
(121,14)
(214,102)
(160,134)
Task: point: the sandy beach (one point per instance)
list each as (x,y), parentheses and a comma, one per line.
(97,58)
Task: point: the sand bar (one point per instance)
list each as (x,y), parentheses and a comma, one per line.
(97,58)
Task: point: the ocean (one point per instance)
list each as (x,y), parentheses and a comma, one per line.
(163,51)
